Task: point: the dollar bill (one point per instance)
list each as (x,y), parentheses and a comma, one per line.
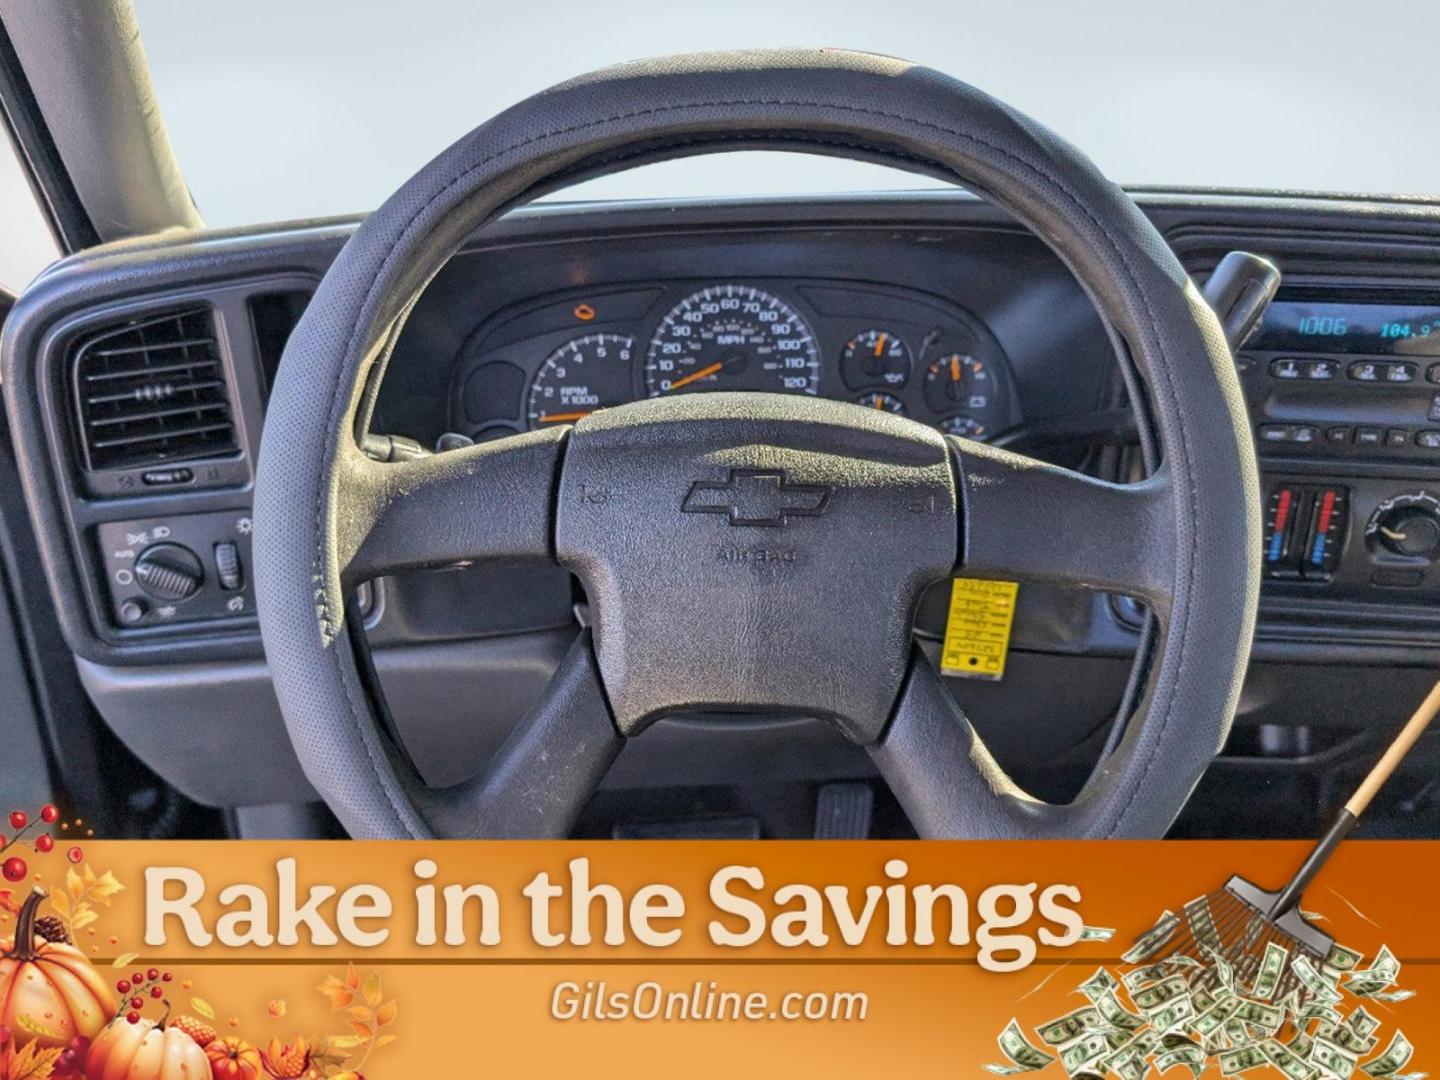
(1069,1027)
(1190,1056)
(1240,1059)
(1202,923)
(1361,1022)
(1346,1038)
(1318,986)
(1116,1015)
(1148,973)
(1223,971)
(1266,1017)
(1342,959)
(1084,1051)
(1023,1057)
(1160,994)
(1302,1044)
(1287,1061)
(1384,969)
(1096,933)
(1213,1019)
(1272,966)
(1173,1015)
(1390,996)
(1102,982)
(1396,1056)
(1333,1059)
(1153,940)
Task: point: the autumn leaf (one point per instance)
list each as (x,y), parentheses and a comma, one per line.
(372,990)
(365,1031)
(344,1042)
(28,1023)
(352,977)
(339,994)
(386,1013)
(203,1007)
(33,1063)
(383,1041)
(104,887)
(61,903)
(73,884)
(84,915)
(7,902)
(124,959)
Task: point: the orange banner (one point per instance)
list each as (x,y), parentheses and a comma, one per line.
(850,959)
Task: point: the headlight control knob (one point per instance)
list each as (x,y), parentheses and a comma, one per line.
(1407,525)
(169,571)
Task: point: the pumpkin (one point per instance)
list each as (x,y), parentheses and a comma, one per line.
(145,1051)
(49,993)
(233,1059)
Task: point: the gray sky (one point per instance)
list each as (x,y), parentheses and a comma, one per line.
(291,108)
(287,108)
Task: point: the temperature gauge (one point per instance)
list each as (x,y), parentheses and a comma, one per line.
(875,358)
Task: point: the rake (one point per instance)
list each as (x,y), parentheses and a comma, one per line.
(1239,921)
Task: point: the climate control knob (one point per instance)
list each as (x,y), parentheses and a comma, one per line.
(1407,525)
(169,571)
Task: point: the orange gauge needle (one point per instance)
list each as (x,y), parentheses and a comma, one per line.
(880,344)
(955,369)
(563,417)
(709,369)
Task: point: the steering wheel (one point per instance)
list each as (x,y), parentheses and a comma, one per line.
(748,552)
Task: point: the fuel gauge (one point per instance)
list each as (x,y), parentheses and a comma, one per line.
(878,399)
(875,358)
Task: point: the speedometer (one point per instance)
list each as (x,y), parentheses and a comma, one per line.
(732,337)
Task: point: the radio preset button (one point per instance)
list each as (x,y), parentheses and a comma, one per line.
(1397,437)
(1322,369)
(1434,373)
(1369,436)
(1400,373)
(1428,440)
(1286,369)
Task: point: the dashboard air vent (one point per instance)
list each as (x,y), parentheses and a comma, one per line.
(152,389)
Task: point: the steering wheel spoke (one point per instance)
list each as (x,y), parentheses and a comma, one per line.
(1032,521)
(541,777)
(492,500)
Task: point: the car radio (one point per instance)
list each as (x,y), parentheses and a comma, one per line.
(1355,382)
(1345,379)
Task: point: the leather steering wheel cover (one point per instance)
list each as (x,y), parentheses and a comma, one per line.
(820,101)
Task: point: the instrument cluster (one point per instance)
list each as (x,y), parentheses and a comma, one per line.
(564,356)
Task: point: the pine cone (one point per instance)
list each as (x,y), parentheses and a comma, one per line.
(52,929)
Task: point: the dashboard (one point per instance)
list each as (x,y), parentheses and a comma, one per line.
(563,356)
(931,305)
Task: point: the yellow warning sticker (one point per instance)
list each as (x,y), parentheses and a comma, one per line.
(977,630)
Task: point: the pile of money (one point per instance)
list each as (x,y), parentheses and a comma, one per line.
(1198,1011)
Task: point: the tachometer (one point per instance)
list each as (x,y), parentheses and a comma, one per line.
(588,373)
(732,337)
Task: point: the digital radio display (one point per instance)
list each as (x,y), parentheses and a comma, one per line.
(1305,326)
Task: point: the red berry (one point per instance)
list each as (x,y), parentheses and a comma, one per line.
(75,854)
(133,1017)
(138,978)
(137,1003)
(152,974)
(166,977)
(19,819)
(157,993)
(14,869)
(44,843)
(49,814)
(68,1058)
(123,986)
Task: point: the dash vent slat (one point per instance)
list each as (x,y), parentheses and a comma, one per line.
(152,389)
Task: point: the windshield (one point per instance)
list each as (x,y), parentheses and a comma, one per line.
(281,110)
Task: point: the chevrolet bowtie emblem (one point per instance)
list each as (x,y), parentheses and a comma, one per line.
(757,497)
